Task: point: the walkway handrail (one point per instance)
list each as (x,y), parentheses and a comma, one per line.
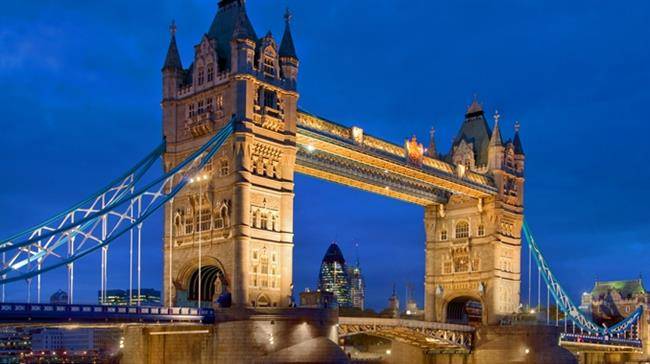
(565,303)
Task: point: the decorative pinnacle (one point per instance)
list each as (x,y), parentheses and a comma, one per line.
(172,28)
(517,126)
(496,116)
(432,132)
(288,15)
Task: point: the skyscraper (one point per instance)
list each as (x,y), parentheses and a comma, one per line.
(333,276)
(357,286)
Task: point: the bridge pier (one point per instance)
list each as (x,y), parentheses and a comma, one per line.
(239,335)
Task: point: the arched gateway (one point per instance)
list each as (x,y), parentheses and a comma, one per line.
(239,209)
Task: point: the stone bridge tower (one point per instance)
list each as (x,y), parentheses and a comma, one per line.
(235,221)
(473,247)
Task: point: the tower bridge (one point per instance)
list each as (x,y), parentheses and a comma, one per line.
(234,139)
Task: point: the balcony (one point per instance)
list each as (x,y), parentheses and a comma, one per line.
(202,124)
(269,118)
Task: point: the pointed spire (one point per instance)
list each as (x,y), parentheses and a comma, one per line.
(356,245)
(431,151)
(287,49)
(517,142)
(495,139)
(173,59)
(474,108)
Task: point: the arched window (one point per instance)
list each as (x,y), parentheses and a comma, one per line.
(462,229)
(189,221)
(210,72)
(224,216)
(480,231)
(254,216)
(218,220)
(274,222)
(201,76)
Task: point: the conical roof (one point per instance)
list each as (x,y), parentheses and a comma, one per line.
(231,22)
(517,144)
(475,130)
(173,58)
(287,49)
(333,254)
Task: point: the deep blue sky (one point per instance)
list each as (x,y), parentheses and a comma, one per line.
(80,90)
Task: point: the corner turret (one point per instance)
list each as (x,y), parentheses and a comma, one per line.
(288,59)
(172,68)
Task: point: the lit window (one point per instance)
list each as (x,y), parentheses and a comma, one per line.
(462,230)
(219,102)
(224,168)
(264,221)
(203,221)
(201,76)
(210,72)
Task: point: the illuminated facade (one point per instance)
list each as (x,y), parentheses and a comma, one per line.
(230,231)
(357,286)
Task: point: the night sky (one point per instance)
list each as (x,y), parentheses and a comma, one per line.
(80,88)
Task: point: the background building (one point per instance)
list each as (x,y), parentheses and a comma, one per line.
(333,276)
(120,297)
(59,297)
(612,301)
(357,286)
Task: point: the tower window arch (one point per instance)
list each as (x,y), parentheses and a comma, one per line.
(462,230)
(480,231)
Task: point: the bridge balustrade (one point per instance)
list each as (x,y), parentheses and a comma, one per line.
(20,313)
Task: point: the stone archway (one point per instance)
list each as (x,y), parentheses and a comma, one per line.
(210,281)
(466,310)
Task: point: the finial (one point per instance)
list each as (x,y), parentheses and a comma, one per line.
(432,132)
(288,15)
(496,116)
(517,126)
(172,28)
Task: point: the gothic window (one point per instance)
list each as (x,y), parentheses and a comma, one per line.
(203,220)
(224,170)
(462,230)
(192,110)
(210,72)
(268,63)
(201,107)
(219,103)
(209,104)
(446,267)
(480,231)
(264,221)
(224,216)
(201,76)
(274,226)
(218,221)
(443,235)
(189,224)
(264,263)
(270,99)
(254,217)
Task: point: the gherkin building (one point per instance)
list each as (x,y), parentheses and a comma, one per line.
(333,276)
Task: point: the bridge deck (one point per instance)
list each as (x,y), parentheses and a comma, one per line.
(590,343)
(344,155)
